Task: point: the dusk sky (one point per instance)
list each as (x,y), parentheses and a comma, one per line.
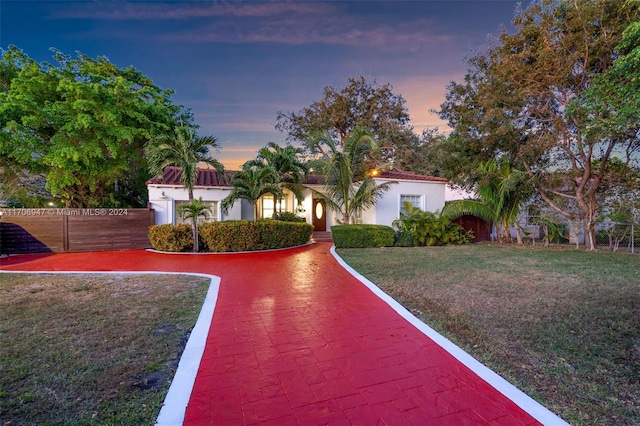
(236,64)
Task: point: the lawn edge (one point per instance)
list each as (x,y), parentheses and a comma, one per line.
(175,403)
(521,399)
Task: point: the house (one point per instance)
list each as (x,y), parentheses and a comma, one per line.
(167,193)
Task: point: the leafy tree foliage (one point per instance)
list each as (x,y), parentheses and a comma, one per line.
(183,149)
(527,101)
(289,166)
(82,124)
(251,183)
(429,228)
(349,185)
(501,195)
(359,105)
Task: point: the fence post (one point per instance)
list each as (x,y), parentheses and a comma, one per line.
(65,233)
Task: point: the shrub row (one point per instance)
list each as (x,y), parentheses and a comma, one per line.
(358,236)
(175,238)
(231,236)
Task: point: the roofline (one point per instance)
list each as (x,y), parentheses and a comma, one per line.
(165,185)
(434,180)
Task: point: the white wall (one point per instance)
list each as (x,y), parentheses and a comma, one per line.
(162,199)
(384,213)
(388,208)
(452,193)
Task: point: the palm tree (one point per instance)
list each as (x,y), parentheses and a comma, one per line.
(502,193)
(251,183)
(183,149)
(349,185)
(286,162)
(194,210)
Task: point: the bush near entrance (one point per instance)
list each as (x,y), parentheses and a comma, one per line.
(231,236)
(361,236)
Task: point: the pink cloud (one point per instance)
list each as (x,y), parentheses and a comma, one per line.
(122,10)
(292,23)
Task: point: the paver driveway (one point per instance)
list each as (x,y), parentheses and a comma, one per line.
(296,339)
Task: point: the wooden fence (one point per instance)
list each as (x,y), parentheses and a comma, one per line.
(73,230)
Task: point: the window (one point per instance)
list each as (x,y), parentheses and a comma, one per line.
(268,204)
(212,214)
(414,200)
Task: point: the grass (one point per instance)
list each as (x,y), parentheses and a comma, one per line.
(562,325)
(91,349)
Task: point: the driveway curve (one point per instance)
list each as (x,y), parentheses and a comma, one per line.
(297,339)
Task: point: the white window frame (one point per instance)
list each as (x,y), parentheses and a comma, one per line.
(416,200)
(277,206)
(213,216)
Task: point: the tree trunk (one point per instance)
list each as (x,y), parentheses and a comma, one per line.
(518,235)
(194,232)
(590,234)
(345,219)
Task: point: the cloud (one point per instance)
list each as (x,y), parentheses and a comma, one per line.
(339,30)
(124,10)
(288,23)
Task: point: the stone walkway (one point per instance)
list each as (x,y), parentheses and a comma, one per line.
(296,339)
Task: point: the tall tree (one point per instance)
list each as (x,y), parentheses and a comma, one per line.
(183,149)
(251,183)
(522,100)
(359,105)
(81,124)
(349,184)
(289,167)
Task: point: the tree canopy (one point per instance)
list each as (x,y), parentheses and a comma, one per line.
(361,104)
(349,186)
(82,124)
(290,168)
(183,149)
(537,99)
(251,183)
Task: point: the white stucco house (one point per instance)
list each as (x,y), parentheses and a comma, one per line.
(167,193)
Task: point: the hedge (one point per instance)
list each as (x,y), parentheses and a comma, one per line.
(359,236)
(278,234)
(232,236)
(171,237)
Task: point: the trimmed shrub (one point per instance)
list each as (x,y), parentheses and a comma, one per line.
(289,217)
(230,235)
(171,238)
(246,235)
(278,234)
(359,236)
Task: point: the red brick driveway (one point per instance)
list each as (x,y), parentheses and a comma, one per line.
(296,339)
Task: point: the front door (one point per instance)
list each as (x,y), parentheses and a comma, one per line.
(319,215)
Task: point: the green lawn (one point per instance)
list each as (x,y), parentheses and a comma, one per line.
(91,349)
(562,325)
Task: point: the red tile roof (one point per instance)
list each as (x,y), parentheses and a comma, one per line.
(205,177)
(209,177)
